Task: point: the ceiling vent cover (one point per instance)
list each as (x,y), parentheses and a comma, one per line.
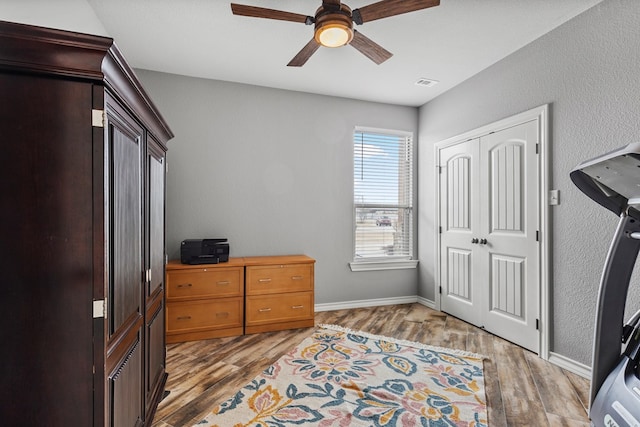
(423,81)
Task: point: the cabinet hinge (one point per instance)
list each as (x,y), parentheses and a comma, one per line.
(97,118)
(99,308)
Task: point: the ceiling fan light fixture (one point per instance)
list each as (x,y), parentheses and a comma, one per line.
(333,34)
(334,28)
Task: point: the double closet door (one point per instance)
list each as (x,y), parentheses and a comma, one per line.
(489,257)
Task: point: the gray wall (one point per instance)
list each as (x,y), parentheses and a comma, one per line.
(272,171)
(589,71)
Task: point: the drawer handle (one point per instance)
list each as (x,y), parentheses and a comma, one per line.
(186,285)
(264,280)
(223,282)
(297,307)
(262,310)
(184,318)
(297,277)
(223,314)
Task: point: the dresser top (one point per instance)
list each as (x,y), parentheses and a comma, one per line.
(175,264)
(245,261)
(282,259)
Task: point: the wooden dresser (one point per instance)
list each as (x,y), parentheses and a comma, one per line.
(205,301)
(279,293)
(245,295)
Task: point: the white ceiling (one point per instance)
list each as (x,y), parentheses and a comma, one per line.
(448,43)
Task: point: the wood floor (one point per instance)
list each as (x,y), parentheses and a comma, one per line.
(522,389)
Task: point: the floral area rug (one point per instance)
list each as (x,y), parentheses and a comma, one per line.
(339,377)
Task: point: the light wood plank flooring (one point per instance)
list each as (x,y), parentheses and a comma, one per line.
(522,389)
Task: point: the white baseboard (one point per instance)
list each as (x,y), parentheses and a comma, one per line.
(427,303)
(366,303)
(570,365)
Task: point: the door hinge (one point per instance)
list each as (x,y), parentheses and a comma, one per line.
(440,289)
(537,235)
(537,324)
(99,308)
(440,229)
(97,118)
(537,148)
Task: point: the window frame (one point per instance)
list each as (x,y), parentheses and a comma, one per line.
(386,262)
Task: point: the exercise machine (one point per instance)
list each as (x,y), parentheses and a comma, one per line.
(613,181)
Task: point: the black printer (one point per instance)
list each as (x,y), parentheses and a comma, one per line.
(204,251)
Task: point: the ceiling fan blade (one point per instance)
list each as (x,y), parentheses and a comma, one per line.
(369,48)
(262,12)
(301,58)
(387,8)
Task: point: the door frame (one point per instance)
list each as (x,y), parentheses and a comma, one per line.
(541,115)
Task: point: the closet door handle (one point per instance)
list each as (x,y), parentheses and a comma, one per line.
(474,241)
(483,241)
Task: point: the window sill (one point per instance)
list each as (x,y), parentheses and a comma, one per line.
(383,265)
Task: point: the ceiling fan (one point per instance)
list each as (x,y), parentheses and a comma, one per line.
(334,24)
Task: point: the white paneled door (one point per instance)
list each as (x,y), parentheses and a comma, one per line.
(489,257)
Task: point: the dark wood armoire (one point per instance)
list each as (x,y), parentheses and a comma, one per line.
(82,187)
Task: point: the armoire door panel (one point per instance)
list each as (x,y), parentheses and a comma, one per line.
(125,390)
(155,354)
(125,138)
(156,194)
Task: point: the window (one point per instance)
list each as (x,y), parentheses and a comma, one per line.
(383,199)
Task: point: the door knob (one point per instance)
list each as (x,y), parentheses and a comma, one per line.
(474,240)
(483,241)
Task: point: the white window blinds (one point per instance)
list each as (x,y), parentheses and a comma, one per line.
(383,195)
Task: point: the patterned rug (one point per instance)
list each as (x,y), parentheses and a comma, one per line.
(338,377)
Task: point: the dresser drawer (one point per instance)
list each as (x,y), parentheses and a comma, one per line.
(204,283)
(279,308)
(197,315)
(273,279)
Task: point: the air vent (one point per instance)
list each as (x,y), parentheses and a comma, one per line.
(426,82)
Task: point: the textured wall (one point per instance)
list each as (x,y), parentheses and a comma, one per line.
(272,171)
(588,70)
